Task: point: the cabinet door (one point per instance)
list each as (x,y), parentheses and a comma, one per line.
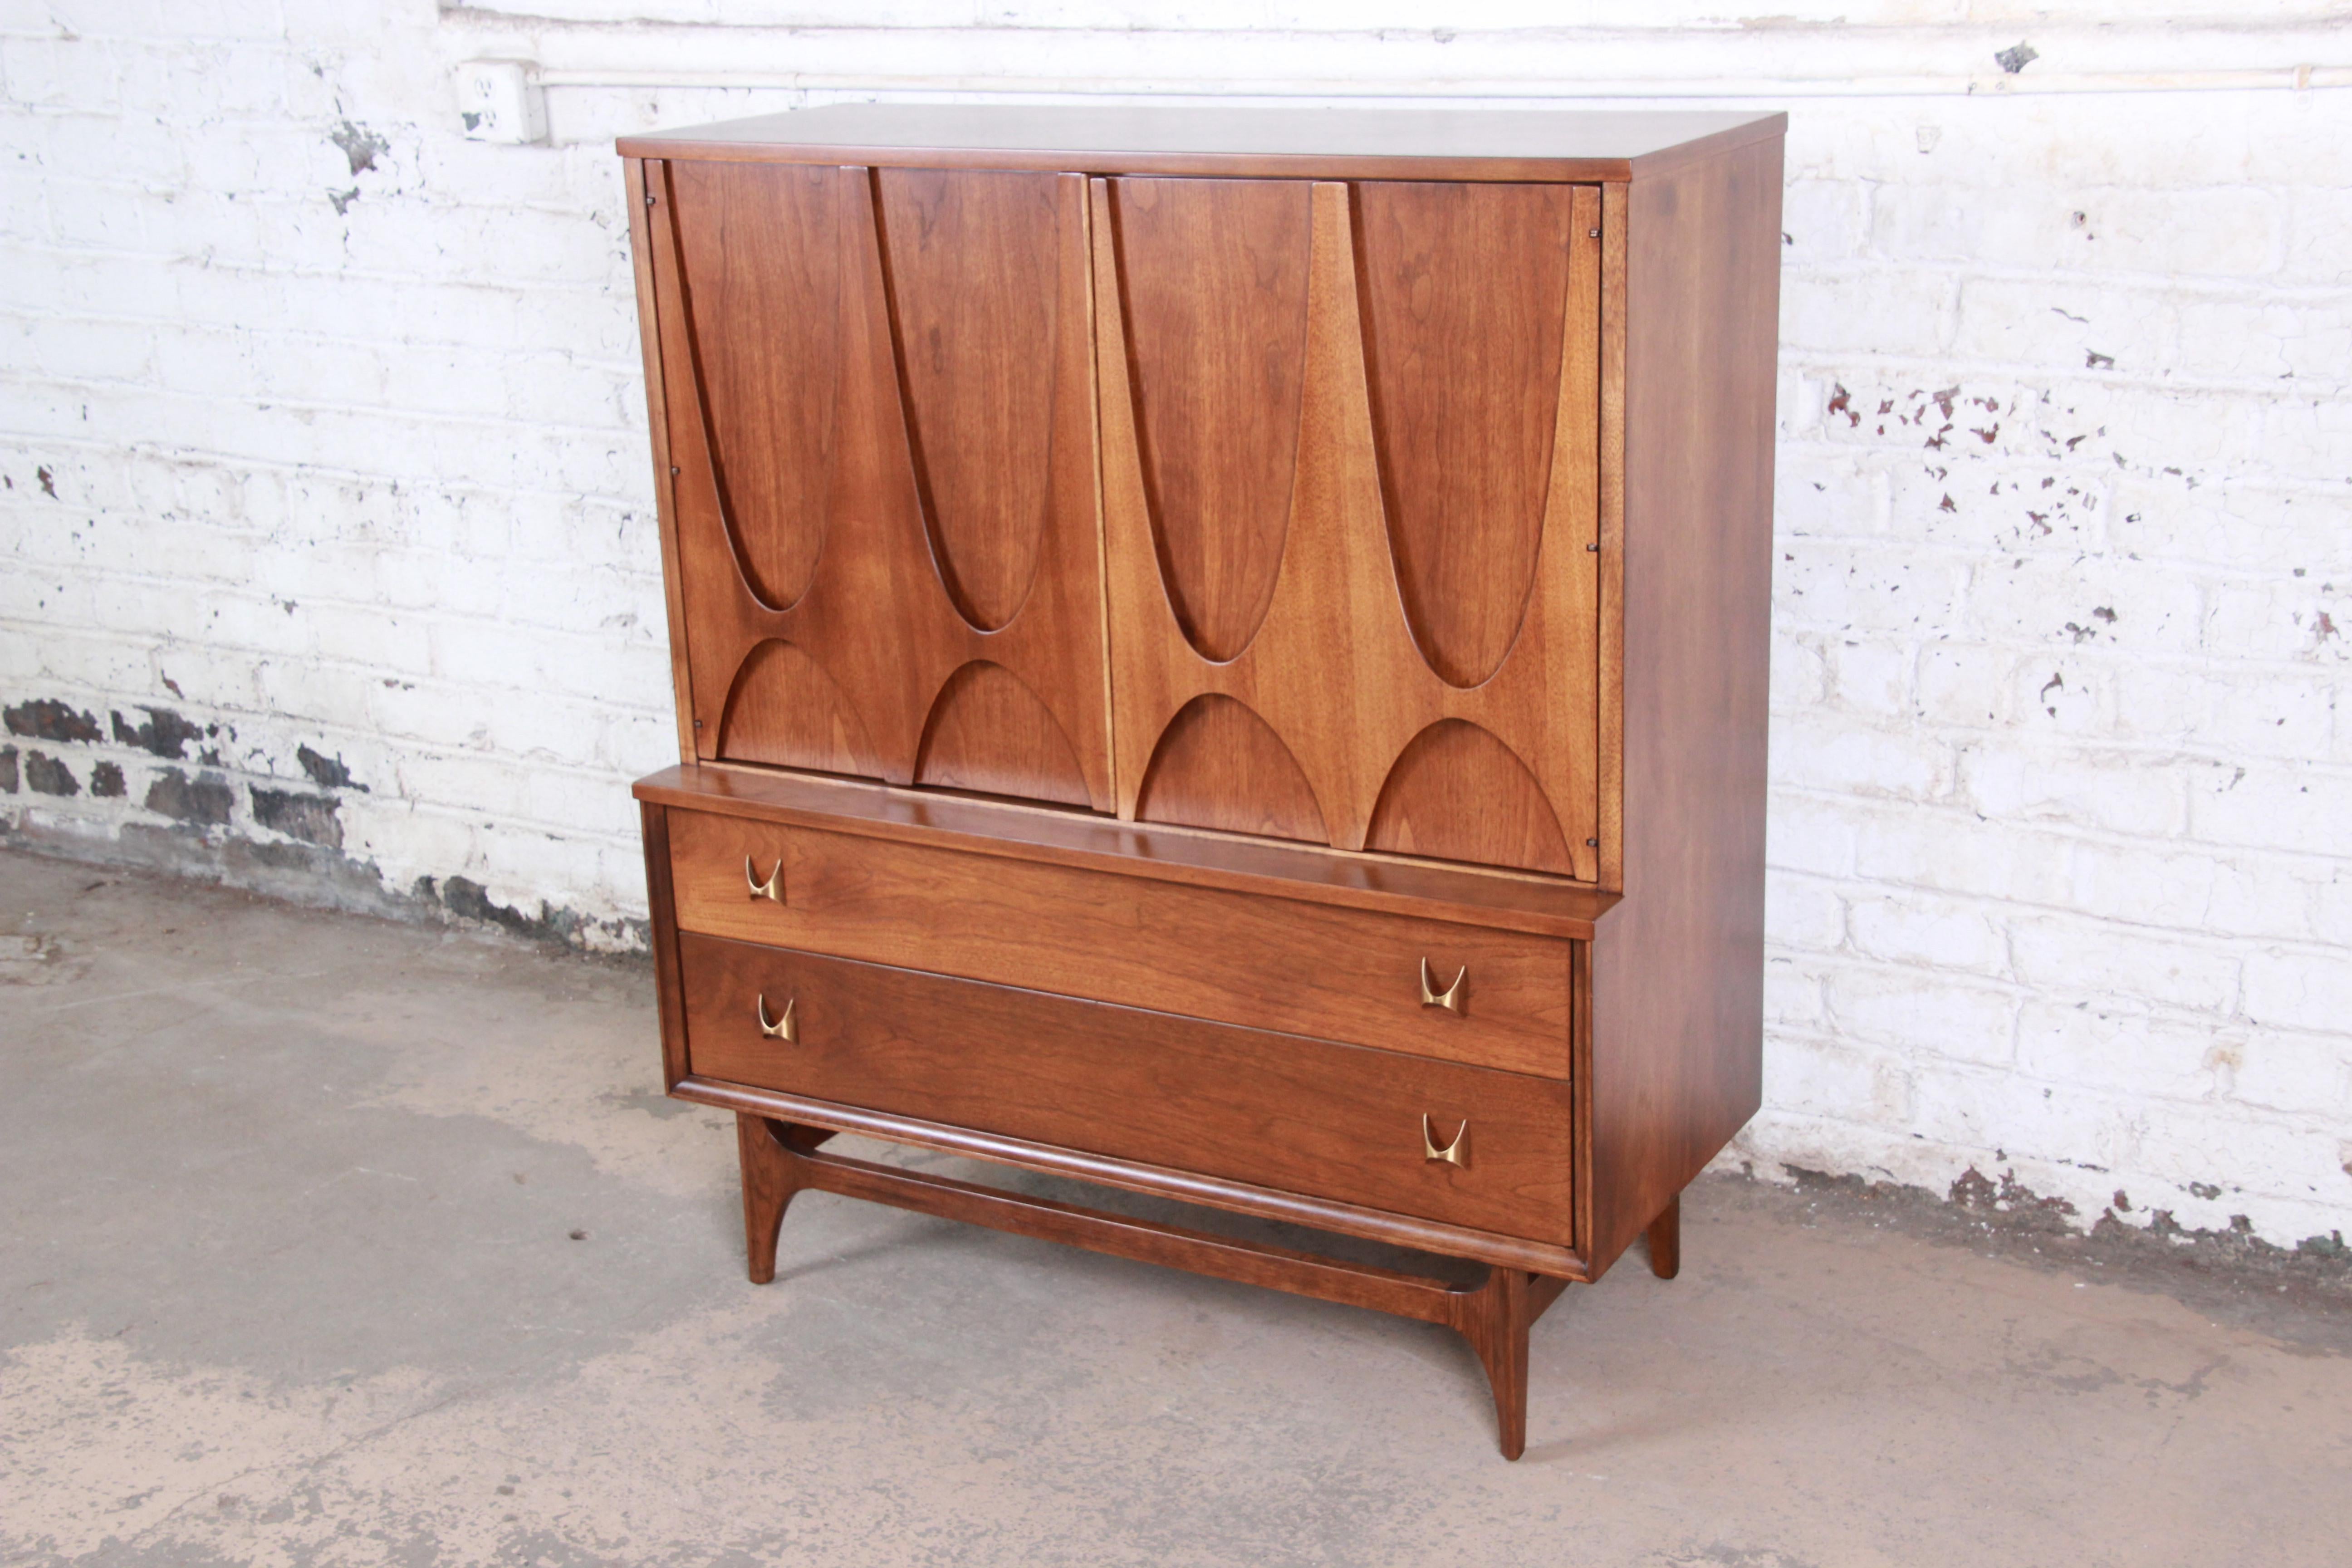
(1351,491)
(879,405)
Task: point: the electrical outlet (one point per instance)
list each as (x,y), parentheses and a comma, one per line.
(498,101)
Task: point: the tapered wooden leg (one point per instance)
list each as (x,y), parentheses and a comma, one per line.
(1666,1239)
(1495,1318)
(770,1180)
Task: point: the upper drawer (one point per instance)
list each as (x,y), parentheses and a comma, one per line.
(1264,963)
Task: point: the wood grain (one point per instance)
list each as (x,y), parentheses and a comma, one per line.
(1465,289)
(1678,969)
(1214,275)
(973,297)
(649,338)
(1266,964)
(1334,669)
(1465,895)
(880,561)
(1337,1121)
(661,899)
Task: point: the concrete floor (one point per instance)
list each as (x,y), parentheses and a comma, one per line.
(323,1240)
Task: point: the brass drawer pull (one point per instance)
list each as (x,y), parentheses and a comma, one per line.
(773,888)
(1450,998)
(1453,1153)
(783,1028)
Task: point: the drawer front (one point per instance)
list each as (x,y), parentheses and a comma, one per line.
(1263,962)
(1298,1115)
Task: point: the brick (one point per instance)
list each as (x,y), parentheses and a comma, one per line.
(2110,1045)
(2068,325)
(1954,852)
(2287,339)
(1995,511)
(1923,1012)
(1857,588)
(2102,603)
(2070,955)
(1822,751)
(1867,310)
(1803,912)
(1835,1080)
(2301,532)
(2273,804)
(2300,988)
(1922,929)
(2117,791)
(2221,232)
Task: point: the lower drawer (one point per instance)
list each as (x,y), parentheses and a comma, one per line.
(1277,1111)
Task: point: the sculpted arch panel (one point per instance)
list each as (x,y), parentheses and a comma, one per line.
(1220,765)
(784,709)
(1456,793)
(987,731)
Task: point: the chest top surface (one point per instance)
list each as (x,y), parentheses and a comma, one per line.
(1340,143)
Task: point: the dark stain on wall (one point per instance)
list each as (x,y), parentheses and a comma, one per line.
(2303,1292)
(204,801)
(360,145)
(107,783)
(308,817)
(468,900)
(327,773)
(44,774)
(164,733)
(45,718)
(8,769)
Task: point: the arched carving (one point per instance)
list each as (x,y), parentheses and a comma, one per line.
(1220,765)
(987,732)
(784,709)
(1456,793)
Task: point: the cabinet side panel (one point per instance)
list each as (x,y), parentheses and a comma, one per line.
(661,902)
(657,417)
(1679,967)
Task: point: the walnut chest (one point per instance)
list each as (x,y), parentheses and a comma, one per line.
(1220,653)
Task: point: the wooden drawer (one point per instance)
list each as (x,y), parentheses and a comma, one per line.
(1300,1115)
(1263,962)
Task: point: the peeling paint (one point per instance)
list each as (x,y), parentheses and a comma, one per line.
(44,774)
(45,718)
(360,145)
(164,733)
(309,818)
(327,771)
(204,800)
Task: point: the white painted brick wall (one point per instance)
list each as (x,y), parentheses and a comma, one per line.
(351,462)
